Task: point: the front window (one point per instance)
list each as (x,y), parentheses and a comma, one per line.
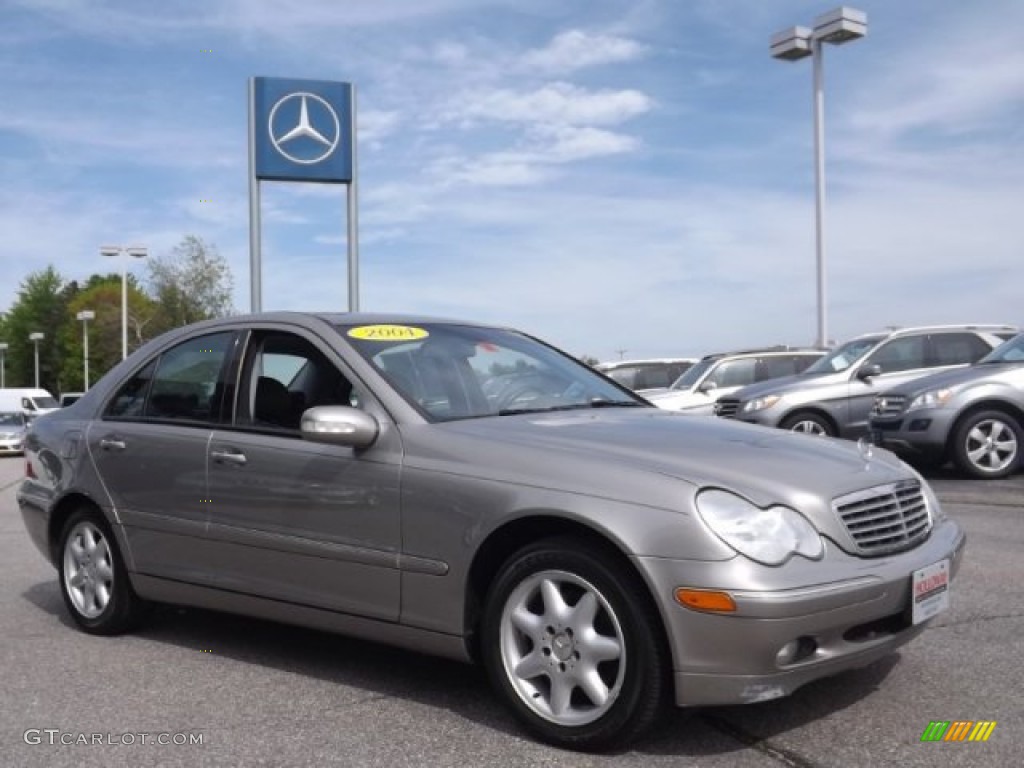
(12,420)
(1011,351)
(841,358)
(694,374)
(451,372)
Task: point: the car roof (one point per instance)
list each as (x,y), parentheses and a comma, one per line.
(647,361)
(894,331)
(766,351)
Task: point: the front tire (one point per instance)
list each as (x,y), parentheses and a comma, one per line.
(808,423)
(93,578)
(571,642)
(987,445)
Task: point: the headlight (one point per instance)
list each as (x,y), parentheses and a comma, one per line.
(934,398)
(768,536)
(760,403)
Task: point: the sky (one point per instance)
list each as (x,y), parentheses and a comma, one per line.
(623,178)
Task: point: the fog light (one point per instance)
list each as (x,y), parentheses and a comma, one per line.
(706,600)
(920,425)
(796,650)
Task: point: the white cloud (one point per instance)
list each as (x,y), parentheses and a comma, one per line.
(560,103)
(576,49)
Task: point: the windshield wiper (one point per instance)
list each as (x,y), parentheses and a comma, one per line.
(596,403)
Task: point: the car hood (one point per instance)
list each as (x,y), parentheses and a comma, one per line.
(971,374)
(674,399)
(766,465)
(784,385)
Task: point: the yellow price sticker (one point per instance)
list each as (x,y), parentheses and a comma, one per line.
(388,333)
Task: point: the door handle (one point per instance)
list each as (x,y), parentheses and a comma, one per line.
(112,444)
(229,457)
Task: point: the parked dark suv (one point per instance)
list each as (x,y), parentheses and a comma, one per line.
(834,396)
(974,416)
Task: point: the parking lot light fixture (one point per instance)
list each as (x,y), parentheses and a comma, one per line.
(3,364)
(35,338)
(85,316)
(835,27)
(135,252)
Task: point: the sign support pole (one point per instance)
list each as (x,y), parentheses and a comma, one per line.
(353,217)
(255,256)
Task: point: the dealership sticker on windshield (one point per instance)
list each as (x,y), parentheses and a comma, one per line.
(387,333)
(930,591)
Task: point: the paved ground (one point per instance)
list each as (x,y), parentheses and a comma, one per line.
(265,695)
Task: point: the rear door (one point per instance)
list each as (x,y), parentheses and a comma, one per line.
(149,449)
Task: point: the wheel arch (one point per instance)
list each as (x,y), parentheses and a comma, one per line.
(60,513)
(813,410)
(509,538)
(999,405)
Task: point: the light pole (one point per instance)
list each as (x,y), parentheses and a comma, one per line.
(85,316)
(35,338)
(136,252)
(836,27)
(3,364)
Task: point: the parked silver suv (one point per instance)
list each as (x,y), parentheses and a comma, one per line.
(973,416)
(716,375)
(835,395)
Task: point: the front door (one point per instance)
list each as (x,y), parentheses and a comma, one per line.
(295,520)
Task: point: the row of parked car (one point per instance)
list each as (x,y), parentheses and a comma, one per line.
(933,393)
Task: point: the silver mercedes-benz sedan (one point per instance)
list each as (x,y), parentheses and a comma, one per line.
(470,491)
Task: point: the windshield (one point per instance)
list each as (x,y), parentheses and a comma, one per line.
(451,372)
(694,374)
(12,420)
(841,358)
(1011,351)
(45,402)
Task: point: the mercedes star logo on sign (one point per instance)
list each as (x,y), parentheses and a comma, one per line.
(304,128)
(301,130)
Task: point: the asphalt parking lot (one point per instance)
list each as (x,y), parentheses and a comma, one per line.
(259,694)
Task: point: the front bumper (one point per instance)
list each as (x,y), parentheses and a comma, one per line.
(12,446)
(856,611)
(923,432)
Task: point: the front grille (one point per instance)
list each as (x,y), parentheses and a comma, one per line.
(726,407)
(887,406)
(886,518)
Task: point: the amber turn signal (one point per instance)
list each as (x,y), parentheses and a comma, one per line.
(706,600)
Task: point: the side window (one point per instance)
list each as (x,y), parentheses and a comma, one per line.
(903,354)
(284,375)
(185,384)
(774,367)
(734,373)
(130,399)
(957,348)
(802,362)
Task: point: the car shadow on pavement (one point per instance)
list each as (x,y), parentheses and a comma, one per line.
(463,689)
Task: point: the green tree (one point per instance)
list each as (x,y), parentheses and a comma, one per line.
(192,283)
(102,295)
(41,307)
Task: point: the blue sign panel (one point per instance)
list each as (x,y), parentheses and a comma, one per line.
(302,129)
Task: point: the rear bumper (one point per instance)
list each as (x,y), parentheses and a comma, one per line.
(838,624)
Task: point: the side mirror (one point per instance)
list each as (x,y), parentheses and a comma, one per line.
(866,372)
(339,425)
(707,386)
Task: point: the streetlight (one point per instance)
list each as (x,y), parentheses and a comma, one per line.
(35,338)
(85,316)
(136,252)
(3,364)
(836,27)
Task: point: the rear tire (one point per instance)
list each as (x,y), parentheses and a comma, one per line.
(571,643)
(93,578)
(987,445)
